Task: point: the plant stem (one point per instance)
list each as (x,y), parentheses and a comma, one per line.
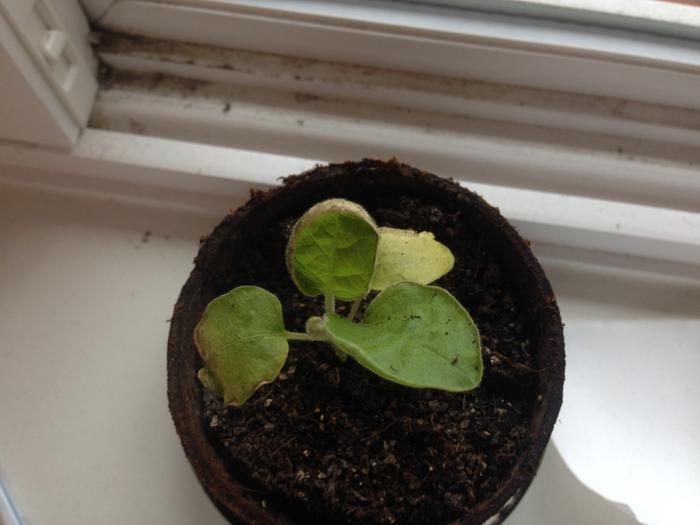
(355,307)
(300,336)
(330,303)
(315,331)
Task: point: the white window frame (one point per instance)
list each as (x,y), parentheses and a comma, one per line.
(595,178)
(499,48)
(49,71)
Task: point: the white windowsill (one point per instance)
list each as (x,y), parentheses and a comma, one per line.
(108,319)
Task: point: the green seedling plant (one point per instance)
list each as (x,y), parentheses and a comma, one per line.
(411,333)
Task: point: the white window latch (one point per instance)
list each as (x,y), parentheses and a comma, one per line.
(46,38)
(53,44)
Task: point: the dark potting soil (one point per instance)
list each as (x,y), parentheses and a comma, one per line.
(336,444)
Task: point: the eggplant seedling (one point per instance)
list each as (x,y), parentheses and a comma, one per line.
(413,334)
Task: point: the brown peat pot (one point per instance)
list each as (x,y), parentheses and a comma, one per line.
(332,443)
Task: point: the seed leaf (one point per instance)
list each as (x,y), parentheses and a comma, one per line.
(332,250)
(242,341)
(415,335)
(406,255)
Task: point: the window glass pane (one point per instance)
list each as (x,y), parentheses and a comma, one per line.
(678,18)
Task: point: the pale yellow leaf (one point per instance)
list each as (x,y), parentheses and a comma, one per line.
(406,255)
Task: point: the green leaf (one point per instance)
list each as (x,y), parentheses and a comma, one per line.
(332,250)
(242,341)
(406,255)
(415,335)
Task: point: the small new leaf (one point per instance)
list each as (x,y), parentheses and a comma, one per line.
(242,341)
(415,335)
(406,255)
(332,250)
